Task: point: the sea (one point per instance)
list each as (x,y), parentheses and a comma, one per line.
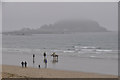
(81,52)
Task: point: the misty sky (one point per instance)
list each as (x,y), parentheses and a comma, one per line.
(0,17)
(34,14)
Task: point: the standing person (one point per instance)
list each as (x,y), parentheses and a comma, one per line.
(39,66)
(44,55)
(25,64)
(45,61)
(33,60)
(22,64)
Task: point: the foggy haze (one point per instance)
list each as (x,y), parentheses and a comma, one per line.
(33,15)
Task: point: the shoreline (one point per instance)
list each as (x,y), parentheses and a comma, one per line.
(9,71)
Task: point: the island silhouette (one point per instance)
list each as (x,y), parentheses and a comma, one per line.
(63,27)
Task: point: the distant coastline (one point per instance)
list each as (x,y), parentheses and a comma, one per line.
(62,27)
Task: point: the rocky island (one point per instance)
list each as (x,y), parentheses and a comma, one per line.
(63,27)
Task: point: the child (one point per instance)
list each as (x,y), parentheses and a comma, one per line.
(39,66)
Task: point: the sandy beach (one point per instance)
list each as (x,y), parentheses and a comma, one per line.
(19,72)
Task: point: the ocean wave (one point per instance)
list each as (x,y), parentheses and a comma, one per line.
(99,53)
(68,51)
(103,50)
(21,50)
(86,47)
(60,50)
(16,49)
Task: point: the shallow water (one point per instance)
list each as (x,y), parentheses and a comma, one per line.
(77,52)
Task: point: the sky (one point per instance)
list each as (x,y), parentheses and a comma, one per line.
(0,16)
(59,0)
(18,15)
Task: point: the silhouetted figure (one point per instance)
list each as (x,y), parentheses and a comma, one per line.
(44,54)
(25,64)
(45,61)
(54,56)
(33,58)
(22,64)
(39,66)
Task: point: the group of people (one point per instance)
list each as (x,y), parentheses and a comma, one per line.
(24,64)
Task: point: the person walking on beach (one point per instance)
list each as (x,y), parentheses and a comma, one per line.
(22,63)
(44,55)
(25,64)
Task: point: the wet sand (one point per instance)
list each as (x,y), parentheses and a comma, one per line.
(19,72)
